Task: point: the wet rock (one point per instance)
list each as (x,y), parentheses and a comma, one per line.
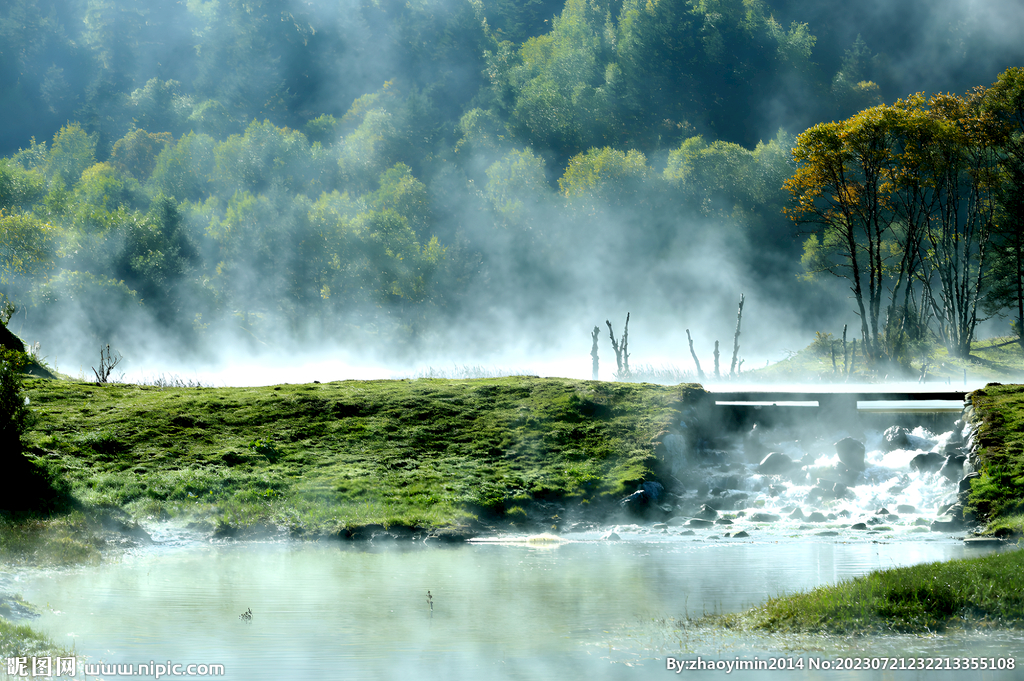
(875,521)
(707,512)
(984,542)
(930,462)
(676,522)
(816,517)
(965,484)
(776,463)
(959,512)
(851,453)
(646,496)
(827,533)
(953,468)
(858,526)
(882,511)
(660,526)
(732,501)
(687,533)
(921,521)
(764,518)
(952,449)
(740,535)
(906,508)
(697,522)
(610,536)
(797,514)
(723,521)
(827,490)
(947,523)
(896,437)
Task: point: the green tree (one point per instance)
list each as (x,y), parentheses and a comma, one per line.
(136,152)
(72,152)
(185,170)
(28,247)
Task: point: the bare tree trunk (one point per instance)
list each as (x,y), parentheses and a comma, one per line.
(593,350)
(832,348)
(736,339)
(700,372)
(853,357)
(621,351)
(845,359)
(718,374)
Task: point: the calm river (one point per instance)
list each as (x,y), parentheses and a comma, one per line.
(580,609)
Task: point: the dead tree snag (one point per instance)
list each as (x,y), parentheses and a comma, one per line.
(700,372)
(593,349)
(736,339)
(621,352)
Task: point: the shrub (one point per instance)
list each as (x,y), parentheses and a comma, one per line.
(13,410)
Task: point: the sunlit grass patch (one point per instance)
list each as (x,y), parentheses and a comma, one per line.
(918,598)
(319,458)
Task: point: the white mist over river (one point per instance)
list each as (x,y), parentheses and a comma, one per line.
(580,609)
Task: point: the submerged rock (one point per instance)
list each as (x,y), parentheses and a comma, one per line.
(610,536)
(764,518)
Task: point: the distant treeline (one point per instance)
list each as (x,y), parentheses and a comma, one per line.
(372,171)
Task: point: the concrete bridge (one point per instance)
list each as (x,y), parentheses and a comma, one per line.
(932,409)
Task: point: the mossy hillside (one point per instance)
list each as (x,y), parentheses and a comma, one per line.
(915,599)
(324,457)
(998,495)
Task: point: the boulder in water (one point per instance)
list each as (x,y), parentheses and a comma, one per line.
(816,517)
(647,495)
(697,522)
(610,536)
(953,468)
(707,512)
(896,437)
(965,484)
(927,463)
(776,463)
(764,518)
(851,453)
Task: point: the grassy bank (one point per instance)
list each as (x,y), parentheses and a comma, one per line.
(327,458)
(915,599)
(998,495)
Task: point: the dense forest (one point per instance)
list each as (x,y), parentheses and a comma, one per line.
(457,176)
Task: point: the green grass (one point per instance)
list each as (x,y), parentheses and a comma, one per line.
(916,599)
(320,458)
(998,496)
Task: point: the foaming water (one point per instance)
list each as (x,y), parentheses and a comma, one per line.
(497,611)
